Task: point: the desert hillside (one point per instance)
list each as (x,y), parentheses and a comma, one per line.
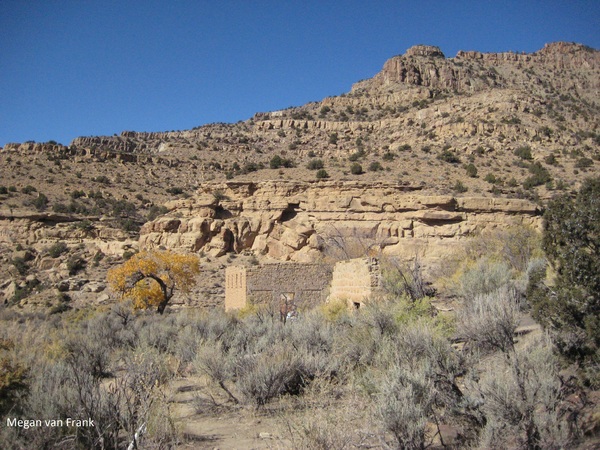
(461,194)
(476,126)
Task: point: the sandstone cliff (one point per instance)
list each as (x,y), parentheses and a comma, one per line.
(301,221)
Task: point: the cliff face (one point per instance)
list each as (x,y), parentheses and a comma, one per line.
(472,71)
(310,221)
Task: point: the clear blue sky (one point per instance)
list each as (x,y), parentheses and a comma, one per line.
(84,67)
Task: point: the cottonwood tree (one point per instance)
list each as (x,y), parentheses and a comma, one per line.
(149,279)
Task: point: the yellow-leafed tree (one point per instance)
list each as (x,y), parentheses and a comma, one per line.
(149,278)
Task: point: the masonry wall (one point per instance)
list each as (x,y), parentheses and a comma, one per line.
(355,280)
(306,284)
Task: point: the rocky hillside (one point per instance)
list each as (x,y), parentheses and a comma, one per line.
(485,139)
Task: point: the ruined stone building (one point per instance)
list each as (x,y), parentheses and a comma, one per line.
(355,280)
(300,285)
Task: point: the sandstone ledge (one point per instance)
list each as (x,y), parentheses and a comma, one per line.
(300,221)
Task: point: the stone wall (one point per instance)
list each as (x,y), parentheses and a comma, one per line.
(355,280)
(304,285)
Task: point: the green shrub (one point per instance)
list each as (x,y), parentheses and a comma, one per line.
(551,160)
(59,308)
(460,187)
(156,211)
(315,164)
(471,170)
(322,174)
(267,375)
(101,179)
(388,156)
(356,156)
(60,208)
(524,152)
(84,225)
(333,138)
(14,380)
(250,167)
(75,264)
(539,176)
(527,389)
(77,194)
(491,178)
(356,169)
(20,264)
(174,190)
(128,254)
(28,189)
(276,162)
(128,224)
(220,196)
(3,190)
(583,163)
(449,157)
(513,120)
(375,166)
(57,249)
(404,405)
(41,202)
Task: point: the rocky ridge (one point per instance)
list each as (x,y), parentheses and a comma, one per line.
(419,98)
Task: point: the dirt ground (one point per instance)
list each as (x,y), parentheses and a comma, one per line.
(207,426)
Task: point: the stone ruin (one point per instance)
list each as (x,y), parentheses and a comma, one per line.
(355,280)
(299,285)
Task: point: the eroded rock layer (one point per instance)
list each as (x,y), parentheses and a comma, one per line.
(303,221)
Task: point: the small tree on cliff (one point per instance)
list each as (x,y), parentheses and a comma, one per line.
(149,278)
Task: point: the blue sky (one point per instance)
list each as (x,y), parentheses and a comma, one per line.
(84,67)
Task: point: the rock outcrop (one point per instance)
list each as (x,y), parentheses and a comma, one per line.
(34,147)
(426,66)
(306,222)
(41,229)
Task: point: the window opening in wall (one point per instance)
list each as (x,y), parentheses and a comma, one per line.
(287,307)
